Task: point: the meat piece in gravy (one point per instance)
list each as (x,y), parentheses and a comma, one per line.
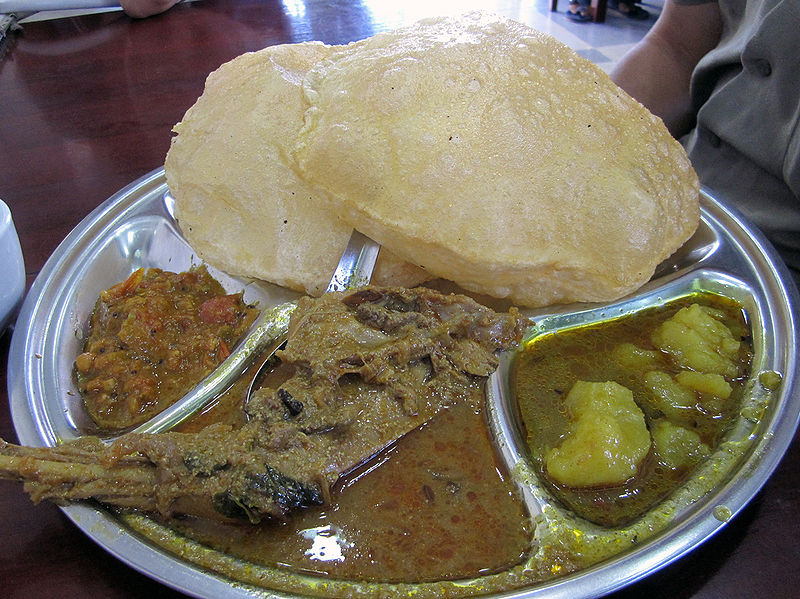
(361,368)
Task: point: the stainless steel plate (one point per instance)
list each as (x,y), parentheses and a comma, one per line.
(135,228)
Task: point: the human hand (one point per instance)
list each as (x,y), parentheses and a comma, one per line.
(139,9)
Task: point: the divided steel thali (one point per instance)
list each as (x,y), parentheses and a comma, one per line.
(87,105)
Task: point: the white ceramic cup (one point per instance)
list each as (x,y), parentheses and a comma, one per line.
(12,268)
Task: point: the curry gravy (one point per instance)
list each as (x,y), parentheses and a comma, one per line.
(421,511)
(436,506)
(552,363)
(417,512)
(151,338)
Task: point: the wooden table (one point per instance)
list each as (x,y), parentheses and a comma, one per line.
(86,107)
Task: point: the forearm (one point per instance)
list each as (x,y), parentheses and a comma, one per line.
(641,73)
(657,71)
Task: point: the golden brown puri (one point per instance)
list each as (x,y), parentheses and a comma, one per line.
(481,150)
(496,157)
(238,202)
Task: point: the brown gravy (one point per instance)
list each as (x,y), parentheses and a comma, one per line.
(421,511)
(436,505)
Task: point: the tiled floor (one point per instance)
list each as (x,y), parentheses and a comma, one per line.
(602,43)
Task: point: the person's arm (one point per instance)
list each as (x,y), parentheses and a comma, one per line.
(658,69)
(145,8)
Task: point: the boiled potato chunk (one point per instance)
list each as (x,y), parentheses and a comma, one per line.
(607,437)
(635,358)
(678,397)
(669,394)
(676,446)
(698,341)
(705,383)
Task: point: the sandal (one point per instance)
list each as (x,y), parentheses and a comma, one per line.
(580,15)
(630,10)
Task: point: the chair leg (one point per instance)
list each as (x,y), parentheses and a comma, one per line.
(598,10)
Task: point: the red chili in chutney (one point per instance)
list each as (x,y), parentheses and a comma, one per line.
(151,338)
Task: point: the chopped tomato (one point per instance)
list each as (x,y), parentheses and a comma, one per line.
(127,287)
(221,309)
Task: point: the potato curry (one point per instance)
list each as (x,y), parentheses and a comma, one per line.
(618,414)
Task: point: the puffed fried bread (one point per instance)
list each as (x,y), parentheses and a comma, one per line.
(494,156)
(238,201)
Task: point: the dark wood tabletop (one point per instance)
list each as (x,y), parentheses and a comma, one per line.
(86,107)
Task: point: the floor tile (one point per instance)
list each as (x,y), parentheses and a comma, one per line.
(602,43)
